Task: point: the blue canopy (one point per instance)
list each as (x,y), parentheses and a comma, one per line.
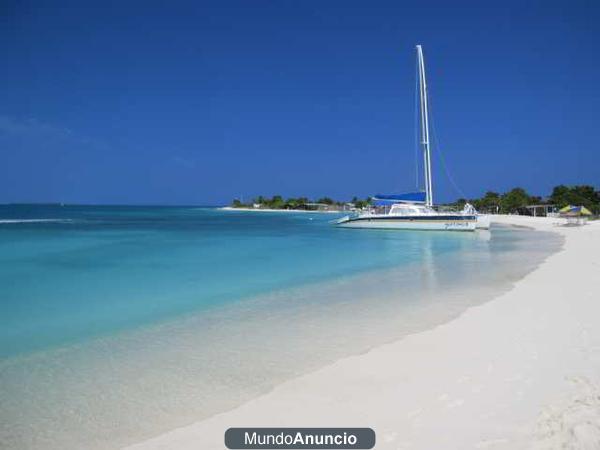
(409,197)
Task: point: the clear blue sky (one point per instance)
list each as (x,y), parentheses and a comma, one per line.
(200,102)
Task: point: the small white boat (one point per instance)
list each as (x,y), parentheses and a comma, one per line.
(415,211)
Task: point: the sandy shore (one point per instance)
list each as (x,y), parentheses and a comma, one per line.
(521,371)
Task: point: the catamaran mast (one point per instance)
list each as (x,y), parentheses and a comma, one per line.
(425,128)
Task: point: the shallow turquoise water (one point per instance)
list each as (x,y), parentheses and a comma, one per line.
(96,270)
(119,323)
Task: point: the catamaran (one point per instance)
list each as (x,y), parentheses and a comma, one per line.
(415,211)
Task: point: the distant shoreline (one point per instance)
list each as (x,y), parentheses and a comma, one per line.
(231,208)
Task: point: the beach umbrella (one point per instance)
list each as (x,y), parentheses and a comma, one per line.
(571,210)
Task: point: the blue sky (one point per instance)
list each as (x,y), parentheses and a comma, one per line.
(200,102)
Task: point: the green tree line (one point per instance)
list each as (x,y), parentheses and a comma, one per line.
(278,202)
(516,199)
(512,201)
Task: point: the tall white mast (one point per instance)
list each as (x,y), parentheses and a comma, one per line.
(425,128)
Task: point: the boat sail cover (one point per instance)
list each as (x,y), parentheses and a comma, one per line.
(408,197)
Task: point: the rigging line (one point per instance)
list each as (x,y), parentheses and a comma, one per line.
(417,127)
(438,149)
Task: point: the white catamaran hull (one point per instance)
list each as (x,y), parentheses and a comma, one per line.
(483,222)
(387,223)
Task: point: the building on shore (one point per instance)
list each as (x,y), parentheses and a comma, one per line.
(539,210)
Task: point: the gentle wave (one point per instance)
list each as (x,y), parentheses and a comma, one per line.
(35,220)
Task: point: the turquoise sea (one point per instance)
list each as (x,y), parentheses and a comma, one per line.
(121,322)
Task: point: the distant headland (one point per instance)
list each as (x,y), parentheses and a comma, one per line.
(514,201)
(277,202)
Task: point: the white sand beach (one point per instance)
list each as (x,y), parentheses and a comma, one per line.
(521,371)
